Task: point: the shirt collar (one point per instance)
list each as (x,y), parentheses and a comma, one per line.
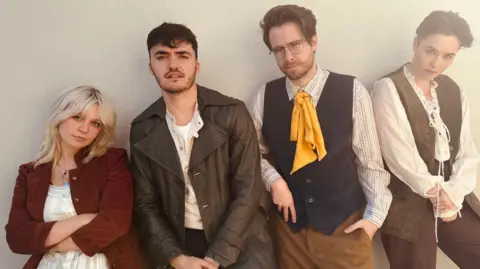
(195,124)
(313,87)
(206,97)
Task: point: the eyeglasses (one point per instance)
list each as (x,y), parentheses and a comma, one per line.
(295,47)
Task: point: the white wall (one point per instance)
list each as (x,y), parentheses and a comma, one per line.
(47,45)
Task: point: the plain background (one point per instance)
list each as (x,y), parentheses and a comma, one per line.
(48,45)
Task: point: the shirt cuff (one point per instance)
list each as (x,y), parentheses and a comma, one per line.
(454,194)
(447,214)
(222,261)
(427,186)
(269,176)
(374,215)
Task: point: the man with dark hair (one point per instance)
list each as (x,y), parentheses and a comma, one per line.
(196,165)
(322,160)
(423,125)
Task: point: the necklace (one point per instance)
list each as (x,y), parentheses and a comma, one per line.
(64,175)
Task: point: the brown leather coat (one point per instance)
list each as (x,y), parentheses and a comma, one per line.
(225,174)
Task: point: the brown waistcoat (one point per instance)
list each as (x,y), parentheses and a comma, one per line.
(408,208)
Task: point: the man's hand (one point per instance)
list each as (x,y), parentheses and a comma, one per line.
(369,227)
(282,197)
(66,246)
(212,262)
(189,262)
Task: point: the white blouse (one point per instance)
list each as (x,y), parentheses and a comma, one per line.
(59,206)
(400,151)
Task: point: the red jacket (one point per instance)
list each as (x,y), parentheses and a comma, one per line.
(102,186)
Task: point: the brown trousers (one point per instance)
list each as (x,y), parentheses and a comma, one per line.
(310,249)
(459,240)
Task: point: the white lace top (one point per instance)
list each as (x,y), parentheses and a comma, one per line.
(59,206)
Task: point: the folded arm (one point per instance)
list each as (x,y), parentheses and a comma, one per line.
(115,210)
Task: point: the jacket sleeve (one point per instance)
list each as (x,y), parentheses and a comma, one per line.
(24,235)
(246,187)
(115,209)
(150,221)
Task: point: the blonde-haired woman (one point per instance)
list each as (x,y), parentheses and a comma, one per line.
(72,206)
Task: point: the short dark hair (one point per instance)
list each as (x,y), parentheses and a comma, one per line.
(447,23)
(281,14)
(170,35)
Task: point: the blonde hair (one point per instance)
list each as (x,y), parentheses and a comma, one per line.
(71,102)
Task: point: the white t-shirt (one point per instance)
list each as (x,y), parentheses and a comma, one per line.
(183,137)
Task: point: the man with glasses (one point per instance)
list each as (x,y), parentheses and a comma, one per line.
(321,156)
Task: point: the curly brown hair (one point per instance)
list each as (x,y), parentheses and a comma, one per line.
(279,15)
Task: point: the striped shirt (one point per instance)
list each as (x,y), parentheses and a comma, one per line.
(372,175)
